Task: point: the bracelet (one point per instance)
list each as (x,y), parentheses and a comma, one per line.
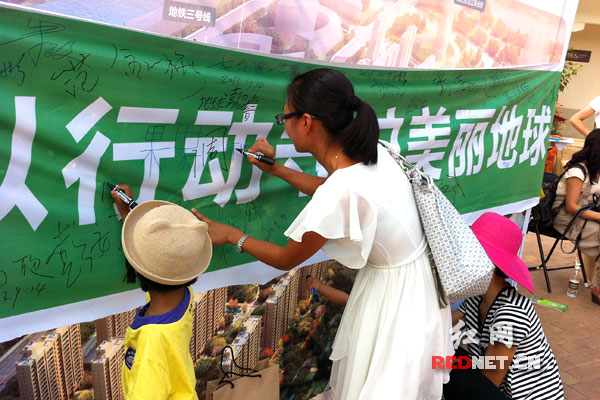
(238,246)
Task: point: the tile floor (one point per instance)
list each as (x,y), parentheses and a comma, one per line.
(574,335)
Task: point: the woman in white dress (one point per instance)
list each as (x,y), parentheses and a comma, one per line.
(364,216)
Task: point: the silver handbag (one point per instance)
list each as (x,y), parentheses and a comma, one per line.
(460,266)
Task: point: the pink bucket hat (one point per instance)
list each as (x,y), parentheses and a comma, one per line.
(501,239)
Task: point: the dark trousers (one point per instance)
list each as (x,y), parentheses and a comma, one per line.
(470,384)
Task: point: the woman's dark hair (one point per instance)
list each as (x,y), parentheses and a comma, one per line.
(589,155)
(329,96)
(148,285)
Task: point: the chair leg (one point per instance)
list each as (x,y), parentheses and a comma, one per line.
(585,281)
(542,257)
(546,262)
(552,249)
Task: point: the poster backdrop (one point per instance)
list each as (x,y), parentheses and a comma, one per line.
(85,103)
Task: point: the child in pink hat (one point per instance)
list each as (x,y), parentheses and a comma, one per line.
(503,323)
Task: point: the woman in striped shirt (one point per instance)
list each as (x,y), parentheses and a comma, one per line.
(502,328)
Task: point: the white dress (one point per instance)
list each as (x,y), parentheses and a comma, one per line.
(392,324)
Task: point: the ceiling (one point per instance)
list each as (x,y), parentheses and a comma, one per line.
(588,12)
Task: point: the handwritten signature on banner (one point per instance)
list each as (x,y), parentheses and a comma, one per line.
(72,256)
(74,68)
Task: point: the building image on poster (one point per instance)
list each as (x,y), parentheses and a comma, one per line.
(401,34)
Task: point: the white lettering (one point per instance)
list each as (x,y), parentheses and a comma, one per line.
(13,190)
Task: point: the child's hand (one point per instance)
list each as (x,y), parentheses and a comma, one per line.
(121,206)
(313,283)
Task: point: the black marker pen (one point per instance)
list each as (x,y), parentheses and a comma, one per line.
(259,157)
(123,196)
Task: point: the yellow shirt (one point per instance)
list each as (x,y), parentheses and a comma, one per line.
(158,364)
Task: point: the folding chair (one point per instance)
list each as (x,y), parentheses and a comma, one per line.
(553,233)
(550,232)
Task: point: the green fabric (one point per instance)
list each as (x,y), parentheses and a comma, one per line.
(61,240)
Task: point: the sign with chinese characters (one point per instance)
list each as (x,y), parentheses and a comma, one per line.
(478,5)
(579,55)
(85,104)
(189,13)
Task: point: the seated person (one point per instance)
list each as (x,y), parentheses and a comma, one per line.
(576,189)
(503,323)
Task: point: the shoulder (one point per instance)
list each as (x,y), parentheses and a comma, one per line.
(335,189)
(344,184)
(470,306)
(515,307)
(152,335)
(576,171)
(379,179)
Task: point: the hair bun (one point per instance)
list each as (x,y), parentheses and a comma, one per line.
(352,103)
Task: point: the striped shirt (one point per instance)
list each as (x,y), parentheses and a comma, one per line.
(512,320)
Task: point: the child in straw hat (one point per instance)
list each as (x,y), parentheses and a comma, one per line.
(503,323)
(166,247)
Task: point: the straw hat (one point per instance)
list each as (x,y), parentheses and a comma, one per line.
(501,239)
(166,243)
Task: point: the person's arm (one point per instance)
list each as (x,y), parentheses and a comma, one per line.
(336,296)
(303,182)
(457,315)
(577,120)
(306,183)
(506,354)
(284,258)
(574,185)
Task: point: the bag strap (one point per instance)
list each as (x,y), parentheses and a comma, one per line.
(411,170)
(230,374)
(570,225)
(400,160)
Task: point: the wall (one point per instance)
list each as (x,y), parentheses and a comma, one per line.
(586,85)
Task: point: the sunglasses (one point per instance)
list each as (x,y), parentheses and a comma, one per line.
(280,118)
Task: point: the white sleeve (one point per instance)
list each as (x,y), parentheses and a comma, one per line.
(346,218)
(595,104)
(575,172)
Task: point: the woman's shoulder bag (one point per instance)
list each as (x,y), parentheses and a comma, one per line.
(459,260)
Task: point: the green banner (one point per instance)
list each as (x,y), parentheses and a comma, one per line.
(84,104)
